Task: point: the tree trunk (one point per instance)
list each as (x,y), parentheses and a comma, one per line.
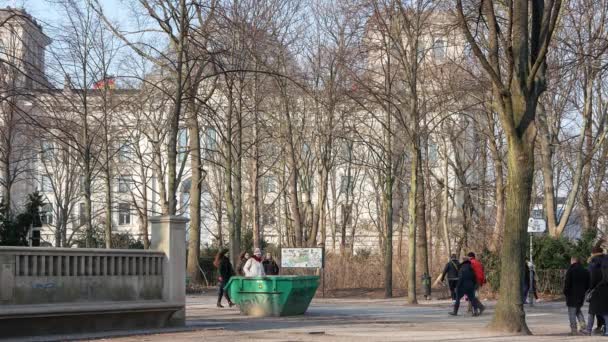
(196,181)
(108,204)
(446,206)
(422,244)
(509,314)
(413,212)
(235,238)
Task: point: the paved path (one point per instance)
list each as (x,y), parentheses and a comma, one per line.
(355,320)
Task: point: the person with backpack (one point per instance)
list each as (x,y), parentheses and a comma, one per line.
(225,270)
(466,286)
(451,272)
(576,285)
(480,279)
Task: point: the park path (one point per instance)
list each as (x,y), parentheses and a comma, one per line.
(349,320)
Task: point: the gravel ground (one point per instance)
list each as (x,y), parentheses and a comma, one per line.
(349,320)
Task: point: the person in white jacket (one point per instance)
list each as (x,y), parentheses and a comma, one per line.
(253,267)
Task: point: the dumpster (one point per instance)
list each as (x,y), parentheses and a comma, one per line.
(272,295)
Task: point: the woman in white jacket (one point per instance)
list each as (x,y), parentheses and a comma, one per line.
(253,267)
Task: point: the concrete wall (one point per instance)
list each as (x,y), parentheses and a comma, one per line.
(60,275)
(67,290)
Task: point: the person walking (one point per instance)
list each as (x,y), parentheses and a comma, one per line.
(270,266)
(595,269)
(451,272)
(480,279)
(576,285)
(225,270)
(466,286)
(253,267)
(529,283)
(242,260)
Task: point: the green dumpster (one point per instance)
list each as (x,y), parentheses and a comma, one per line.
(272,295)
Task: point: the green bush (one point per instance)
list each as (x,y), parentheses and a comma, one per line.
(549,254)
(13,230)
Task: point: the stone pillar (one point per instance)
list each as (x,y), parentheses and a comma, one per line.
(169,236)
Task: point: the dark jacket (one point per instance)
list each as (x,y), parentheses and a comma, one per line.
(225,269)
(466,278)
(270,267)
(598,304)
(595,268)
(451,270)
(576,285)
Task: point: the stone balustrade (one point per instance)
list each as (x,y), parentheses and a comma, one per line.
(67,290)
(59,275)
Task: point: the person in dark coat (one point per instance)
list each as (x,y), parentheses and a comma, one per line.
(225,271)
(451,272)
(576,285)
(466,286)
(598,301)
(595,269)
(270,266)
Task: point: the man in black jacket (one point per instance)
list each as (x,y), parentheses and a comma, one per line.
(451,271)
(466,286)
(576,285)
(595,268)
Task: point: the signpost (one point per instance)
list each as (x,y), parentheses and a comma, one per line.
(535,225)
(304,258)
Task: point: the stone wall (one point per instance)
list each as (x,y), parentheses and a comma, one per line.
(60,275)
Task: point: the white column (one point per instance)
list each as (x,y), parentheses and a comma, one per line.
(169,236)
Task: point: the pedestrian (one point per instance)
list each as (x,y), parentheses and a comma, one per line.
(242,260)
(225,270)
(253,267)
(480,279)
(270,266)
(598,292)
(529,271)
(466,286)
(576,285)
(451,272)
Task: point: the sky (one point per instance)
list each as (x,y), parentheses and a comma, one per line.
(46,13)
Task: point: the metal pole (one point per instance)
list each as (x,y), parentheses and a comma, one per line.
(531,287)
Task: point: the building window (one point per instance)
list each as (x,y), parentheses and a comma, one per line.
(124,184)
(125,151)
(81,184)
(82,215)
(268,214)
(46,150)
(211,139)
(347,214)
(46,214)
(124,214)
(347,185)
(268,184)
(440,49)
(182,144)
(45,184)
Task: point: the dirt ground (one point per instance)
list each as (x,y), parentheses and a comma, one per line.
(358,318)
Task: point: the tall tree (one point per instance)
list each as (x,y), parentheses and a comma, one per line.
(514,58)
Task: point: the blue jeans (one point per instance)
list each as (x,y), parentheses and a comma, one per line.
(574,314)
(590,321)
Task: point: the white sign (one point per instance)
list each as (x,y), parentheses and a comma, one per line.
(536,225)
(302,257)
